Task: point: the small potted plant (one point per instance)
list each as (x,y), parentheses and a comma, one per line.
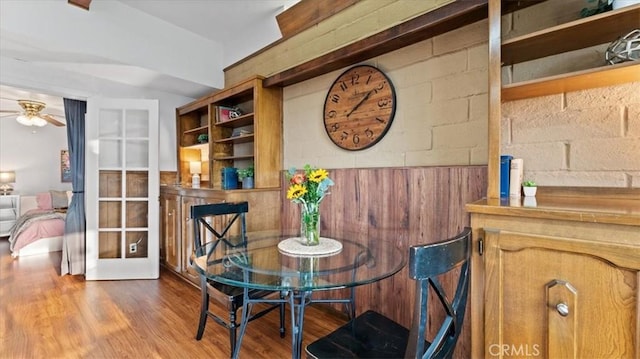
(530,188)
(246,176)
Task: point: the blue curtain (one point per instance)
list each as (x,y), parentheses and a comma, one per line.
(73,245)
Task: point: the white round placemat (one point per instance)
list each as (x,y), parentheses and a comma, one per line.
(294,246)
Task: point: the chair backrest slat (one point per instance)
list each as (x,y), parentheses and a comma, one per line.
(202,212)
(426,263)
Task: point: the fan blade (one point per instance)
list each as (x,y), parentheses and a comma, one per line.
(5,113)
(51,120)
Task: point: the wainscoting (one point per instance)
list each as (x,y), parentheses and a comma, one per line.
(406,205)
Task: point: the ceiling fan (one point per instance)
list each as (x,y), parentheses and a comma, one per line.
(31,115)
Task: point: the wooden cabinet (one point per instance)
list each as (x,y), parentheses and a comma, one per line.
(177,230)
(9,213)
(561,280)
(244,127)
(170,254)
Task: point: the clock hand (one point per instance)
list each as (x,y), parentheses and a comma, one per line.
(360,103)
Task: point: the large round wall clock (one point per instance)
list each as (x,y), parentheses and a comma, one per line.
(359,108)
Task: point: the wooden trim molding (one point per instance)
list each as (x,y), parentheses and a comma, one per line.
(80,3)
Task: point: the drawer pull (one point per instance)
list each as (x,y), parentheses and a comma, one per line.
(563,309)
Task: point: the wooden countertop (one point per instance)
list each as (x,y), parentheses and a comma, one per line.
(595,209)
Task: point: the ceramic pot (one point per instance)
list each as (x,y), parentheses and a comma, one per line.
(530,191)
(247,183)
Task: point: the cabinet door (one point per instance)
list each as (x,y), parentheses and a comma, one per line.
(558,297)
(169,231)
(187,237)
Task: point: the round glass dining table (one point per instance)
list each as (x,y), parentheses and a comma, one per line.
(275,260)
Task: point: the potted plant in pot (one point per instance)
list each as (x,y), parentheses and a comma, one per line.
(246,176)
(530,188)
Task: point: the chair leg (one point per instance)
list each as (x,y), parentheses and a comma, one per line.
(233,329)
(204,308)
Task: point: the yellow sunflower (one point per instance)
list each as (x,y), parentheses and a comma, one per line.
(296,191)
(318,175)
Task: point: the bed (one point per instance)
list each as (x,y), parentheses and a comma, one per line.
(40,227)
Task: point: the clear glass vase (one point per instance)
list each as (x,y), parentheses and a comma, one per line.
(310,224)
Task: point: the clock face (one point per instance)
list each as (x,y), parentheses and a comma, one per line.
(359,108)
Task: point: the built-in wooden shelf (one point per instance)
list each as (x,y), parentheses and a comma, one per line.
(237,139)
(574,35)
(574,81)
(244,120)
(202,129)
(232,158)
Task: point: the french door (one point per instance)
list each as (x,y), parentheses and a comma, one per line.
(122,189)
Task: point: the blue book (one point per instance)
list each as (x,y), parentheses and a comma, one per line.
(505,163)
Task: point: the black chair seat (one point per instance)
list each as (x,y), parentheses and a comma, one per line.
(370,335)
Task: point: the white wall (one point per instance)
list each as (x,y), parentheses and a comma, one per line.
(34,154)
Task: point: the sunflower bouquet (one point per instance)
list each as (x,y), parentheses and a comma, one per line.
(308,188)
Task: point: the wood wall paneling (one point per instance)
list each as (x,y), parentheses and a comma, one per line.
(406,205)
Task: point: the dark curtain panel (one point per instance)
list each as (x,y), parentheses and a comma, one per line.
(73,245)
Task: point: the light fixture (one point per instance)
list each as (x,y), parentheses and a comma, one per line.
(31,115)
(6,178)
(195,168)
(31,120)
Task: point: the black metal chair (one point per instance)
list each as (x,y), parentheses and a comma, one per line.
(228,218)
(372,335)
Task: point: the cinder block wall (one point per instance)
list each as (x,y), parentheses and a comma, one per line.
(583,138)
(441,112)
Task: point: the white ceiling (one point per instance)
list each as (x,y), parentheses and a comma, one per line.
(174,46)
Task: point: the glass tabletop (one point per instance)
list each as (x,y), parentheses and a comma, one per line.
(261,264)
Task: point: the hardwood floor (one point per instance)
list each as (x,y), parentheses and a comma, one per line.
(43,315)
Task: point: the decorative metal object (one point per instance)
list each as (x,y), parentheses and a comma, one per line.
(235,113)
(625,48)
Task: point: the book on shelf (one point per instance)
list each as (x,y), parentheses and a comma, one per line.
(516,175)
(241,132)
(505,168)
(223,113)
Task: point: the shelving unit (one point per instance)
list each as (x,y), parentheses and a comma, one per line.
(260,144)
(574,35)
(193,121)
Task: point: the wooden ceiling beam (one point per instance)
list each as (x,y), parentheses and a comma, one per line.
(80,3)
(308,13)
(444,19)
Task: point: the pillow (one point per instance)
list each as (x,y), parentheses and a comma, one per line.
(59,199)
(44,200)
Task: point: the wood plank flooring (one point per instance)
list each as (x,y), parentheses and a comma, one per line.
(43,315)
